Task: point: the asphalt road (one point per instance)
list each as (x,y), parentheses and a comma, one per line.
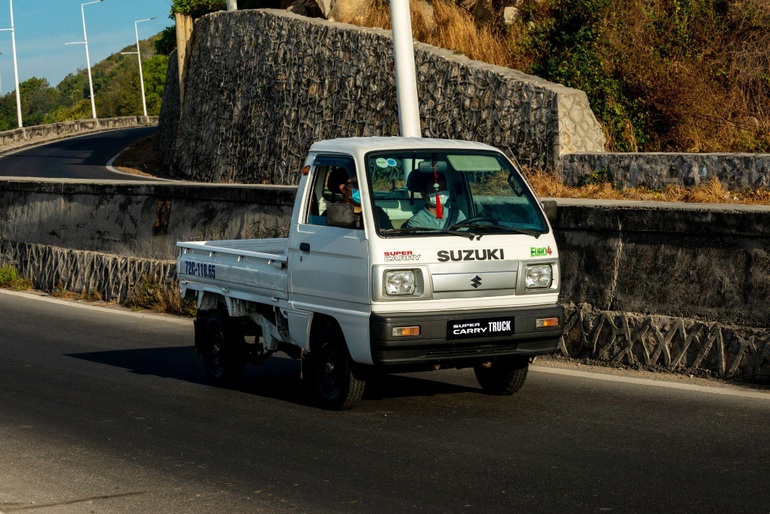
(83,157)
(102,410)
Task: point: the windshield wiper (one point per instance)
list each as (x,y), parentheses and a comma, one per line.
(412,230)
(499,228)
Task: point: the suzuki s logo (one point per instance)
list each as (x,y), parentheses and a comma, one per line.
(486,254)
(476,282)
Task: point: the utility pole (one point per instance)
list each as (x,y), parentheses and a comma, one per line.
(15,66)
(406,75)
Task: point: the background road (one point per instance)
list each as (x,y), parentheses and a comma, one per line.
(107,411)
(83,157)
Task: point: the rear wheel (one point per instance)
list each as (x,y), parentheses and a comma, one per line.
(224,350)
(502,376)
(336,385)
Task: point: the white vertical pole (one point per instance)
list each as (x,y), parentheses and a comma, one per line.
(88,61)
(139,56)
(15,69)
(232,5)
(406,75)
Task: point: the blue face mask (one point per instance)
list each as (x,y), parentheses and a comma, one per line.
(355,195)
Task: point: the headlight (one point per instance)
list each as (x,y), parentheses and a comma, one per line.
(538,276)
(399,282)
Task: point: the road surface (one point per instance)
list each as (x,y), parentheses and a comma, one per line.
(103,410)
(83,157)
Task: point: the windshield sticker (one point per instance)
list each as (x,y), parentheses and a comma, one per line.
(540,252)
(406,255)
(392,162)
(486,254)
(382,162)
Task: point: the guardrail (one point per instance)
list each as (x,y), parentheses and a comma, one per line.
(26,136)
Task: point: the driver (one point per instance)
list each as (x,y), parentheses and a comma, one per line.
(437,213)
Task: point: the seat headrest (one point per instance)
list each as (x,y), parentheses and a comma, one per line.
(420,178)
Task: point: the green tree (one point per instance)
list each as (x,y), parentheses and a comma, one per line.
(37,99)
(166,42)
(197,8)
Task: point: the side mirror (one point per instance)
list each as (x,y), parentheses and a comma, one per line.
(341,215)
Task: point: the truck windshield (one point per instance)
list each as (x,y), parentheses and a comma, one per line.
(425,193)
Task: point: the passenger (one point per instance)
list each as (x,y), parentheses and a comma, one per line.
(339,182)
(437,213)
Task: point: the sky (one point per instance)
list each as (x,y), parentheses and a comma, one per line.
(42,27)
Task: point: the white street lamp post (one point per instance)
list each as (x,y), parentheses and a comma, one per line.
(88,59)
(406,76)
(15,67)
(139,56)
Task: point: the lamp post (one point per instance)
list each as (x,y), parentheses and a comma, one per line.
(15,66)
(139,56)
(88,59)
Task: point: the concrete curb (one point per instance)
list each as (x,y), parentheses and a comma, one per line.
(12,141)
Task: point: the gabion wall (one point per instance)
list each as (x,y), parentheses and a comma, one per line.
(657,170)
(263,85)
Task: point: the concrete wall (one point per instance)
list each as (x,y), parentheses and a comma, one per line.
(17,138)
(138,219)
(655,286)
(263,85)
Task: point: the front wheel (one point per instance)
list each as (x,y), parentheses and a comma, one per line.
(332,373)
(502,376)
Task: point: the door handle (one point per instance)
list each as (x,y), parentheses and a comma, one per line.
(304,247)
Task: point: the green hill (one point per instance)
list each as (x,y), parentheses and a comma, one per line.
(116,90)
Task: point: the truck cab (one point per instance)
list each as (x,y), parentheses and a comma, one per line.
(425,254)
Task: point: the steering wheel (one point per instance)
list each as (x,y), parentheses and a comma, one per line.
(477,219)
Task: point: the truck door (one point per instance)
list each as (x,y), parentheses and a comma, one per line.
(329,264)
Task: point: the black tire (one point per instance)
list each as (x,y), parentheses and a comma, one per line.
(502,376)
(336,385)
(224,350)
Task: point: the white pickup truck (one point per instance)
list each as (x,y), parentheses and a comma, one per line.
(403,254)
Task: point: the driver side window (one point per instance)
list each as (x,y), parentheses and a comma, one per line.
(330,178)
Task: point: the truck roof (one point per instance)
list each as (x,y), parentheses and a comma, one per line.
(362,145)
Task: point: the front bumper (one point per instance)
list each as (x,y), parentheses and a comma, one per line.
(433,347)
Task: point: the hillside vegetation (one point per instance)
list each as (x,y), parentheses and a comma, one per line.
(661,75)
(116,90)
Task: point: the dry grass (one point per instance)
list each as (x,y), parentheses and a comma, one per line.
(445,25)
(150,294)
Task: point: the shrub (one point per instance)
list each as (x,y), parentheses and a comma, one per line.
(10,279)
(151,294)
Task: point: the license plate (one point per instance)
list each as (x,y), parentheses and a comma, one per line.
(488,327)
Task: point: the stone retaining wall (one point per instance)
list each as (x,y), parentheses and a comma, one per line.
(263,85)
(656,286)
(18,138)
(657,170)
